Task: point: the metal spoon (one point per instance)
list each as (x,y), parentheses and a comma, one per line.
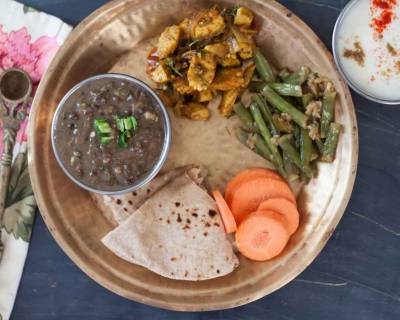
(15,92)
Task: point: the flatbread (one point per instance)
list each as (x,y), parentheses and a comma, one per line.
(177,233)
(120,207)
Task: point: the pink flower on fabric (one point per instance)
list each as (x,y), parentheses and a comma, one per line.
(16,50)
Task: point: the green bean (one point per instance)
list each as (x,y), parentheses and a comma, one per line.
(287,147)
(244,115)
(262,148)
(292,171)
(265,133)
(305,147)
(328,111)
(256,86)
(287,89)
(263,67)
(296,134)
(266,112)
(282,105)
(243,136)
(306,99)
(284,75)
(320,145)
(331,142)
(314,153)
(294,102)
(298,77)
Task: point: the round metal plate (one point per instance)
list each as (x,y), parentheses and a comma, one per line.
(77,224)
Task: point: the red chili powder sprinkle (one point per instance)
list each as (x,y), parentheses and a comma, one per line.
(385,19)
(386,15)
(383,4)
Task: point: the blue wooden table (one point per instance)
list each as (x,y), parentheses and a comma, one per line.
(357,275)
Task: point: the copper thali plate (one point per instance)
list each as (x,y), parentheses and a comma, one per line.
(97,45)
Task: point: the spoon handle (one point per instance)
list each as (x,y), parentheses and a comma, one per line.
(5,172)
(11,117)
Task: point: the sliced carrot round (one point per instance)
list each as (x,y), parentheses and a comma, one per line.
(262,235)
(249,174)
(226,214)
(249,194)
(284,207)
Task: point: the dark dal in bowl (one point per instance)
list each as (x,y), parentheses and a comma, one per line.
(110,133)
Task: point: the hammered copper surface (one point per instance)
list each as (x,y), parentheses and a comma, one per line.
(97,45)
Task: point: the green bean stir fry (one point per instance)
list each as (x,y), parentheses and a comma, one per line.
(290,120)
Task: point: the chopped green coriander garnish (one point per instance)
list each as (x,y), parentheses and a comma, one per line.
(105,140)
(122,140)
(125,126)
(127,123)
(103,130)
(102,126)
(134,122)
(120,124)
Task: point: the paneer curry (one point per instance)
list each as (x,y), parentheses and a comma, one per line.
(205,56)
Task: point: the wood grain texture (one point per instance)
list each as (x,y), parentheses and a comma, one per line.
(338,285)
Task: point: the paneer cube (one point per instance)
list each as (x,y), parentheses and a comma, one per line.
(219,49)
(230,60)
(201,71)
(228,100)
(246,50)
(168,41)
(245,43)
(205,95)
(181,85)
(243,17)
(196,111)
(209,24)
(161,74)
(228,78)
(185,29)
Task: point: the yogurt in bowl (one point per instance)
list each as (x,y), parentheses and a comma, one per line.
(366,47)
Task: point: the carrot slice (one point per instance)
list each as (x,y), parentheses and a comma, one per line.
(246,175)
(226,214)
(249,194)
(262,235)
(284,207)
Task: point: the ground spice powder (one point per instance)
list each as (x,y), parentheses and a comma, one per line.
(357,54)
(383,15)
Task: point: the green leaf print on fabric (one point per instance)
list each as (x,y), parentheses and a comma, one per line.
(27,9)
(20,202)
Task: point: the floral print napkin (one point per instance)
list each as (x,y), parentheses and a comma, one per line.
(28,40)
